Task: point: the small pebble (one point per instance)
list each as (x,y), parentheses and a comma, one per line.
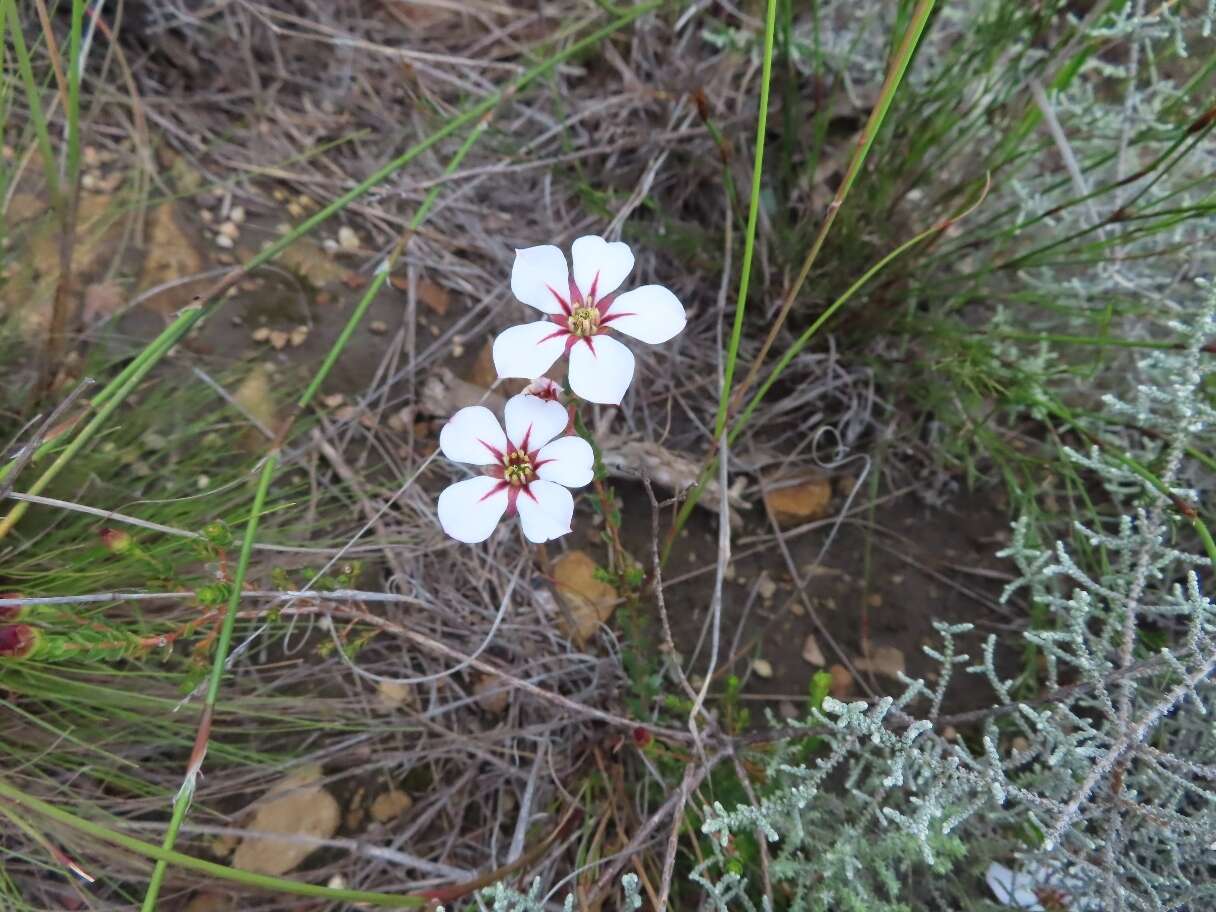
(206,216)
(229,229)
(763,668)
(237,215)
(766,587)
(222,240)
(379,327)
(347,239)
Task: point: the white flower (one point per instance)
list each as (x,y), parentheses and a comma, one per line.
(525,470)
(579,308)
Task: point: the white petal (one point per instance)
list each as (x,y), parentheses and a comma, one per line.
(545,510)
(528,350)
(532,422)
(539,277)
(650,313)
(469,510)
(473,435)
(602,375)
(598,263)
(568,461)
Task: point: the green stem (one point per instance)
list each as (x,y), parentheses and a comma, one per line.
(753,211)
(37,115)
(210,869)
(73,112)
(186,792)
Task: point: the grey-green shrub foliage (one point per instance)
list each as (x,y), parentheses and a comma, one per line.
(1109,780)
(1112,783)
(1104,784)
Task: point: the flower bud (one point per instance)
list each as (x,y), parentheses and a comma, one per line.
(217,534)
(12,612)
(17,641)
(116,541)
(543,388)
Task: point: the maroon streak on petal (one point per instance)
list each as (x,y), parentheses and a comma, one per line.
(556,334)
(604,321)
(523,444)
(494,490)
(496,472)
(576,296)
(590,344)
(537,463)
(602,306)
(494,451)
(562,302)
(594,284)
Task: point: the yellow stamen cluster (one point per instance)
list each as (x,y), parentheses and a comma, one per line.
(517,468)
(585,321)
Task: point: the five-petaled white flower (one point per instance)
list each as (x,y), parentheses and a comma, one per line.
(525,470)
(579,308)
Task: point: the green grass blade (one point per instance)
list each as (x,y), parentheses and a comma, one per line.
(753,212)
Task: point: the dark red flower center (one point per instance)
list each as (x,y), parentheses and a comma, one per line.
(583,317)
(517,468)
